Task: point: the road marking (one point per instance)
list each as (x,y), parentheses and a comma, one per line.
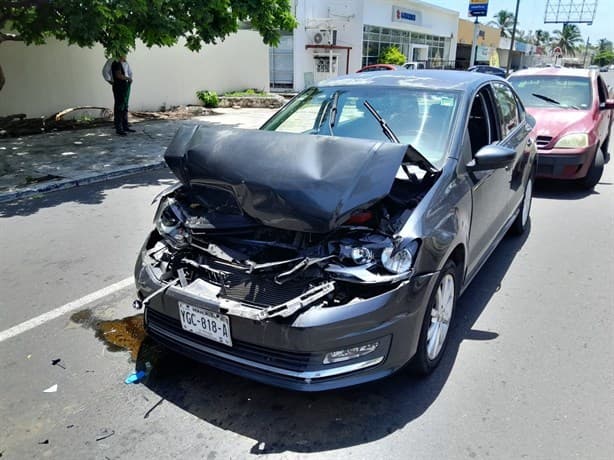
(71,306)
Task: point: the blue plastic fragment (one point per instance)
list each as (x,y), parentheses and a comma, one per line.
(135,377)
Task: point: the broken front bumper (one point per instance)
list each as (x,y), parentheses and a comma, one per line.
(290,351)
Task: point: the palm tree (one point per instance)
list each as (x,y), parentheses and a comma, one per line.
(541,38)
(504,21)
(568,39)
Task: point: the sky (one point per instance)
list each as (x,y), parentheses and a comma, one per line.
(531,16)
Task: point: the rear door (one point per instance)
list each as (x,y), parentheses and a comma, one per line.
(515,135)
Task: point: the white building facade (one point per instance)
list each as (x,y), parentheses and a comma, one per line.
(337,37)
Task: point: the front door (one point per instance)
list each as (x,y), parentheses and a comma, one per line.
(487,186)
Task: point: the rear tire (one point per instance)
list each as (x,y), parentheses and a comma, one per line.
(593,176)
(437,321)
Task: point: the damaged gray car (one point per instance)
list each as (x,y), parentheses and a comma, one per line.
(329,248)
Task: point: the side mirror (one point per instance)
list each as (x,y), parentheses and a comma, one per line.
(492,156)
(530,120)
(608,105)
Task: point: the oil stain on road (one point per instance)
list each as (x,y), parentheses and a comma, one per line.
(126,334)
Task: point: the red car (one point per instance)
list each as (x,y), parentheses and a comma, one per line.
(574,119)
(378,67)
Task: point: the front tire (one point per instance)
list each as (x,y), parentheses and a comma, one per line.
(437,321)
(593,176)
(524,212)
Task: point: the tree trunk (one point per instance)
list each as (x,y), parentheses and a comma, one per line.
(2,80)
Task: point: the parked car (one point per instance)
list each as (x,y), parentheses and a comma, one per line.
(329,248)
(604,68)
(378,67)
(574,119)
(414,65)
(498,71)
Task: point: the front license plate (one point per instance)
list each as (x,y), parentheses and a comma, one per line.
(208,324)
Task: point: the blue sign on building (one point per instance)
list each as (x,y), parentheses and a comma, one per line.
(478,8)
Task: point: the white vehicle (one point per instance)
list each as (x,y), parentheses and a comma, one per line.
(414,65)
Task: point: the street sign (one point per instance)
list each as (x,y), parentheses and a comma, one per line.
(478,8)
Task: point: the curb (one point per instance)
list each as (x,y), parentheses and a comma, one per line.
(77,181)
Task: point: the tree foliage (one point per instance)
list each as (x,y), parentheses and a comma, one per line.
(392,55)
(568,39)
(117,24)
(504,21)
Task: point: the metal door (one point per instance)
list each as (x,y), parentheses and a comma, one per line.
(281,63)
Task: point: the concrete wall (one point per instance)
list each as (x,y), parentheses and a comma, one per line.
(491,37)
(41,80)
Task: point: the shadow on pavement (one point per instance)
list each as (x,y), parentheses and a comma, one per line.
(284,421)
(563,189)
(88,194)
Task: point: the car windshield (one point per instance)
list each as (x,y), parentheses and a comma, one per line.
(553,91)
(420,117)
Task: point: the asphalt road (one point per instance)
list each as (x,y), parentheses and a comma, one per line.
(528,371)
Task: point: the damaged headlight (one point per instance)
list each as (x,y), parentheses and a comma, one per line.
(399,259)
(169,223)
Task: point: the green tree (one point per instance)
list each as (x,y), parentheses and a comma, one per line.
(504,21)
(604,45)
(568,39)
(604,57)
(392,55)
(118,24)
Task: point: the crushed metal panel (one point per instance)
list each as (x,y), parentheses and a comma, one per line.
(298,182)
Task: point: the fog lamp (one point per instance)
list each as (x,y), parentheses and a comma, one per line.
(350,353)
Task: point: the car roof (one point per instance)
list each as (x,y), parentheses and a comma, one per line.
(554,71)
(435,79)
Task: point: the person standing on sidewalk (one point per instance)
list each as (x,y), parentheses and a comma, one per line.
(122,81)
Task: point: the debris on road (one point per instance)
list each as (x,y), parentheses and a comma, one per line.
(46,441)
(56,362)
(104,434)
(153,407)
(138,376)
(51,389)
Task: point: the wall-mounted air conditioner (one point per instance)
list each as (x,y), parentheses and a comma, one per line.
(324,37)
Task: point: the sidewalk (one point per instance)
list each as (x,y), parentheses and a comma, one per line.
(36,164)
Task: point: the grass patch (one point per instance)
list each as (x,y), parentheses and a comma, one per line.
(251,92)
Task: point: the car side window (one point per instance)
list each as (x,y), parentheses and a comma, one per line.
(482,125)
(521,112)
(603,91)
(507,108)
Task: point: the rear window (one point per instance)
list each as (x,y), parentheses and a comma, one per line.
(553,91)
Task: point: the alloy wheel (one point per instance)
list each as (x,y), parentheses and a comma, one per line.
(441,314)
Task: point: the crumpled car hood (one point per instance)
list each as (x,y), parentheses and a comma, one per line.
(297,182)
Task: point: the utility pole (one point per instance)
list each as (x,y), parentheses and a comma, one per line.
(509,55)
(474,43)
(585,51)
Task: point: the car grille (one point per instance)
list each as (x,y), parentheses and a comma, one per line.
(258,290)
(543,141)
(283,359)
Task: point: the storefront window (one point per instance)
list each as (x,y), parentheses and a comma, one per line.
(376,39)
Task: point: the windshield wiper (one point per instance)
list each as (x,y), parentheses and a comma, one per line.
(412,153)
(545,98)
(553,101)
(385,128)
